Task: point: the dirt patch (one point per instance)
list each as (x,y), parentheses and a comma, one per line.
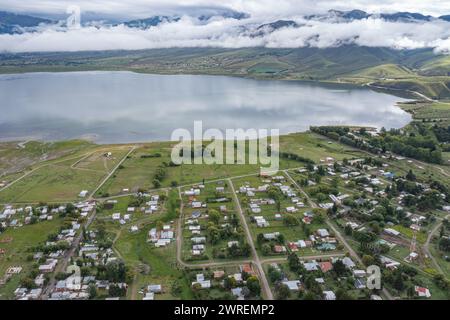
(6,240)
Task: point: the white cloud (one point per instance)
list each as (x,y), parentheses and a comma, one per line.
(228,33)
(254,7)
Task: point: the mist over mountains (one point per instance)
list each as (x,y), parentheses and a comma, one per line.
(225,28)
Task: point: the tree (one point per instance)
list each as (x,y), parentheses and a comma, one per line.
(441,282)
(319,217)
(342,294)
(290,220)
(339,267)
(444,244)
(260,238)
(214,216)
(229,282)
(398,281)
(309,296)
(266,249)
(116,271)
(368,260)
(410,292)
(411,176)
(246,250)
(156,183)
(274,275)
(92,291)
(254,286)
(159,225)
(117,291)
(348,230)
(213,233)
(283,292)
(294,264)
(28,283)
(176,288)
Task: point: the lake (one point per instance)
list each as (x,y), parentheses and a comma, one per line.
(119,107)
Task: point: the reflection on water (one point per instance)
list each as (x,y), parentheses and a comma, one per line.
(116,107)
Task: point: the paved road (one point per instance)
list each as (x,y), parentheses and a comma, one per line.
(424,97)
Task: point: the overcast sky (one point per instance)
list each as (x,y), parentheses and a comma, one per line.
(221,32)
(254,7)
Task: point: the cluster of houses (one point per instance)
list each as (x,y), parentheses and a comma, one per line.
(256,204)
(163,237)
(373,182)
(218,278)
(151,206)
(47,264)
(320,240)
(17,217)
(151,290)
(192,195)
(48,261)
(325,266)
(198,239)
(90,250)
(371,179)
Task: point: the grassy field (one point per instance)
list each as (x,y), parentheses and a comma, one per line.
(138,171)
(135,250)
(52,183)
(14,158)
(428,111)
(64,178)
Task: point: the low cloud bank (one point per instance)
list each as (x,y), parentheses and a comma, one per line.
(232,33)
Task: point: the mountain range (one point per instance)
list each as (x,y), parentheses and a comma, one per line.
(11,23)
(18,23)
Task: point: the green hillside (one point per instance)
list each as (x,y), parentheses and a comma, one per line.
(410,70)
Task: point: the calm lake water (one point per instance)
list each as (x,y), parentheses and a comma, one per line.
(116,107)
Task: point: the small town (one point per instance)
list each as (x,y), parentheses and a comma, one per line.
(308,232)
(207,159)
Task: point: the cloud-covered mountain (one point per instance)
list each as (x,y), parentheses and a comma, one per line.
(12,23)
(226,28)
(150,22)
(337,16)
(204,15)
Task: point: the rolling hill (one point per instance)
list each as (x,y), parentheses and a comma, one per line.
(414,70)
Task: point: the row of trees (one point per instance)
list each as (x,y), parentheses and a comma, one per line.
(422,147)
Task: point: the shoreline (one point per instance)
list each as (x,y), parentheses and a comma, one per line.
(92,137)
(408,94)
